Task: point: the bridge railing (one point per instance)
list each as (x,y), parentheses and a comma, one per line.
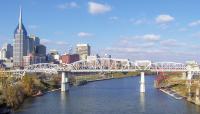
(168,66)
(105,65)
(101,63)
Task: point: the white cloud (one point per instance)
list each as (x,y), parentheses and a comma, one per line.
(49,42)
(145,37)
(182,29)
(144,41)
(61,43)
(68,5)
(151,37)
(114,18)
(138,21)
(123,49)
(84,34)
(58,32)
(194,23)
(138,50)
(172,42)
(45,41)
(32,26)
(196,35)
(137,44)
(164,19)
(137,47)
(98,8)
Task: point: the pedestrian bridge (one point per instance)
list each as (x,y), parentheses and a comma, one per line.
(105,65)
(108,65)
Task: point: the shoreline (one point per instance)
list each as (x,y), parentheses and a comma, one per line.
(96,80)
(172,94)
(177,96)
(52,90)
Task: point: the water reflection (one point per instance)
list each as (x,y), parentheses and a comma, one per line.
(197,108)
(63,101)
(63,98)
(142,102)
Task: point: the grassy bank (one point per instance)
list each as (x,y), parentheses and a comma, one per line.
(13,92)
(176,83)
(76,80)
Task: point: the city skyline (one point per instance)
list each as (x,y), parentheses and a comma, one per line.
(110,27)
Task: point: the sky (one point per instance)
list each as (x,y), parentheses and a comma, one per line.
(158,30)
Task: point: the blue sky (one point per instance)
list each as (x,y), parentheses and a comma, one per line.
(159,30)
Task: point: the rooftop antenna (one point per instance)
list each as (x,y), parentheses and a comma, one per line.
(20,17)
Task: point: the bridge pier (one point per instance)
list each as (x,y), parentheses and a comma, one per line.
(197,99)
(184,75)
(64,82)
(189,83)
(189,75)
(142,83)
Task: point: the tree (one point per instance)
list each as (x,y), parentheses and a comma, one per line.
(13,95)
(28,85)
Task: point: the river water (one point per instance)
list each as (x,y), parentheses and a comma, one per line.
(116,96)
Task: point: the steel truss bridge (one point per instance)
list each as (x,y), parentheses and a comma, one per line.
(103,65)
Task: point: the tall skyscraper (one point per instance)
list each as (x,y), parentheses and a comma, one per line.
(20,47)
(83,50)
(3,54)
(40,50)
(35,39)
(9,50)
(6,52)
(30,45)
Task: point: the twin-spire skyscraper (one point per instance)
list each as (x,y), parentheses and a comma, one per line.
(20,47)
(26,49)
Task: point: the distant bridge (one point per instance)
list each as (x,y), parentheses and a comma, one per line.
(104,65)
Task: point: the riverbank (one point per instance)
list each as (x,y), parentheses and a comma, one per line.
(176,94)
(81,80)
(172,93)
(178,87)
(32,85)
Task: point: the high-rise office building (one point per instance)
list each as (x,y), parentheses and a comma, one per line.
(35,39)
(3,54)
(40,50)
(20,47)
(9,49)
(6,52)
(26,49)
(83,50)
(30,46)
(33,42)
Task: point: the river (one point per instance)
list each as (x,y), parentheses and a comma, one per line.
(116,96)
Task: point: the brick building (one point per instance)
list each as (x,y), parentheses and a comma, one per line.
(69,58)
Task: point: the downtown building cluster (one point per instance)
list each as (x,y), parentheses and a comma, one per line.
(27,50)
(83,51)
